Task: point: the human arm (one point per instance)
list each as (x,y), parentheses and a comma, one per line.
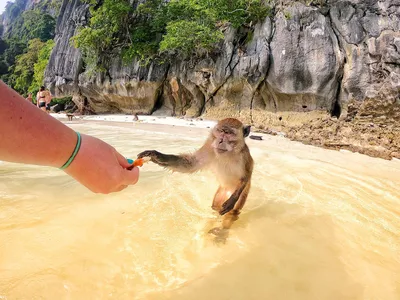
(97,165)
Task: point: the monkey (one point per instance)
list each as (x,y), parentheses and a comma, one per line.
(226,154)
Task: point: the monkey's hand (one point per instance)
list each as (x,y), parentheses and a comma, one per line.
(229,204)
(155,157)
(221,234)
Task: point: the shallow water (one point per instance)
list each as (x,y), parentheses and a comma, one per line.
(318,224)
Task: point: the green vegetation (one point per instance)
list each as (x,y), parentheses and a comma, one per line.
(32,24)
(14,9)
(162,29)
(63,100)
(185,37)
(22,75)
(154,30)
(40,66)
(26,44)
(28,72)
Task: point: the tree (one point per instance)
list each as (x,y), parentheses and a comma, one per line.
(3,67)
(15,48)
(185,37)
(27,28)
(3,46)
(40,66)
(161,28)
(14,9)
(23,70)
(32,24)
(37,24)
(109,28)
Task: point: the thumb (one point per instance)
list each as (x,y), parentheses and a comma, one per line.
(124,162)
(131,177)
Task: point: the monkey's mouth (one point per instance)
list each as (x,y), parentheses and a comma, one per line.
(221,150)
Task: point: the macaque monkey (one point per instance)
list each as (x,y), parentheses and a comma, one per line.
(226,154)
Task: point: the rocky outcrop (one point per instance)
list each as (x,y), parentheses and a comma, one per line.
(307,61)
(8,18)
(310,61)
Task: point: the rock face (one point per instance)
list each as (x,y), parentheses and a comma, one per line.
(7,19)
(338,58)
(307,62)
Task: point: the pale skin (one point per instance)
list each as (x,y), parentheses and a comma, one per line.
(29,98)
(97,166)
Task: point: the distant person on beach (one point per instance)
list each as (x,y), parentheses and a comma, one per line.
(29,98)
(43,99)
(92,162)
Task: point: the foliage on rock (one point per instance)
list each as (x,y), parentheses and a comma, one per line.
(158,28)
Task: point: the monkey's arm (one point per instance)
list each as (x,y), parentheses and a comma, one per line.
(184,163)
(242,188)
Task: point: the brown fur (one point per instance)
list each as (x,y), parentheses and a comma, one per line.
(226,154)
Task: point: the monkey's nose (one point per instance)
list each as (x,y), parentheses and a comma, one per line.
(220,141)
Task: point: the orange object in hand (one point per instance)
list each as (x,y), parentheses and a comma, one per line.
(139,162)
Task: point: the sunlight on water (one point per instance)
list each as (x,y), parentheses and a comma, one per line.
(318,224)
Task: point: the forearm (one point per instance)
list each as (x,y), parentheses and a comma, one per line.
(28,135)
(179,163)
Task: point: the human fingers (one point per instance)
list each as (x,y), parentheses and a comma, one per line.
(130,177)
(125,163)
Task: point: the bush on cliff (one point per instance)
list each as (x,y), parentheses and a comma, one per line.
(161,29)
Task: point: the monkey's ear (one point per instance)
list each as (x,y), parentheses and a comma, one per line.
(246,130)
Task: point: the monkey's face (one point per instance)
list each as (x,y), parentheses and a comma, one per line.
(226,139)
(228,136)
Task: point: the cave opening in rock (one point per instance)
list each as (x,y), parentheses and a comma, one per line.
(337,110)
(159,100)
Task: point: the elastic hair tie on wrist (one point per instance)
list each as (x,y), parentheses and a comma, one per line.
(77,146)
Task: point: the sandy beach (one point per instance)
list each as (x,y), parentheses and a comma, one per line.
(121,118)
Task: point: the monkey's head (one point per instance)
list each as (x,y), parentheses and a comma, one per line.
(228,136)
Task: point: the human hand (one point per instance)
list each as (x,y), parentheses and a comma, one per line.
(100,168)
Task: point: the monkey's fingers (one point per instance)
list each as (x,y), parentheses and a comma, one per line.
(227,206)
(215,231)
(148,153)
(221,234)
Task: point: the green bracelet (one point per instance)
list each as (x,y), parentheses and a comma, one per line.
(77,146)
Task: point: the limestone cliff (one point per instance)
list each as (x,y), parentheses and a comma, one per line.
(8,19)
(310,59)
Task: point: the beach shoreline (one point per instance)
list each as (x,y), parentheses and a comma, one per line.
(158,120)
(149,122)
